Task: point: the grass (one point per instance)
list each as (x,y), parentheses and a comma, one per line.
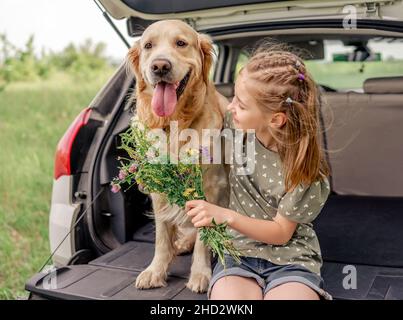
(33,117)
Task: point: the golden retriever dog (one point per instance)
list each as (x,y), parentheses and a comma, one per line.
(171,63)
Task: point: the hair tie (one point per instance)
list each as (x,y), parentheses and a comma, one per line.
(289,100)
(301,76)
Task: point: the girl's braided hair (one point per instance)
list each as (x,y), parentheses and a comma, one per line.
(280,82)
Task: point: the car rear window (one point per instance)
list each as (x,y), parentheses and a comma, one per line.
(342,68)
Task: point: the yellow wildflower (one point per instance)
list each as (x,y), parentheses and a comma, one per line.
(192,151)
(188,191)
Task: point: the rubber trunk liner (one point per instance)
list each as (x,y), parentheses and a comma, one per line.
(368,246)
(112,276)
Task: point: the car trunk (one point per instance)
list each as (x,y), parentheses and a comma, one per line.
(359,227)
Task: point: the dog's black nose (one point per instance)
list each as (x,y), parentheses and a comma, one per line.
(161,67)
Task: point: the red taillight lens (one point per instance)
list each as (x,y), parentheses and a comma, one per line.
(63,152)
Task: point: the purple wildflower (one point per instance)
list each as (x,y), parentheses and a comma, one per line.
(133,168)
(204,151)
(115,188)
(122,174)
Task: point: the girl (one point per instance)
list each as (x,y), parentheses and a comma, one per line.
(271,210)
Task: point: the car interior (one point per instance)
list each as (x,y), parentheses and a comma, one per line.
(360,226)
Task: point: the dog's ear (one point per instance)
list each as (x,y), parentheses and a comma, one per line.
(206,51)
(133,63)
(133,58)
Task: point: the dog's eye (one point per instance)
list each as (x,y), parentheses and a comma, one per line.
(181,43)
(148,45)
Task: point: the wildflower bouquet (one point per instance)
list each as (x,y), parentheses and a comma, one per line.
(150,168)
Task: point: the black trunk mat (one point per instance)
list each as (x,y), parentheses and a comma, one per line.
(364,231)
(361,230)
(112,276)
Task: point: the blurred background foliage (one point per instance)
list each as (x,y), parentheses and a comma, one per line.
(84,61)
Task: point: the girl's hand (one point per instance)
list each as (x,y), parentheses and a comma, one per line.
(203,213)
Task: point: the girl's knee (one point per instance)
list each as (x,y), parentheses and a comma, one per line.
(236,288)
(292,291)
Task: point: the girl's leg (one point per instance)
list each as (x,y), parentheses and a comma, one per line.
(291,291)
(236,288)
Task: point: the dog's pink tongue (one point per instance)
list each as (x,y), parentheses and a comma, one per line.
(164,99)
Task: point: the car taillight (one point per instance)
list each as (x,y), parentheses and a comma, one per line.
(63,152)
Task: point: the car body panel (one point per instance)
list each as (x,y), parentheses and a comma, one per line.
(246,12)
(63,214)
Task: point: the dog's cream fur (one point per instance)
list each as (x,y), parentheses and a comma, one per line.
(199,107)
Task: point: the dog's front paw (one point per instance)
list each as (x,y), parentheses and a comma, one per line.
(198,282)
(150,278)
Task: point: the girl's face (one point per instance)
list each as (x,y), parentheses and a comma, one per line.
(245,112)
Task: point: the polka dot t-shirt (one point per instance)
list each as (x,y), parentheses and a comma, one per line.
(261,195)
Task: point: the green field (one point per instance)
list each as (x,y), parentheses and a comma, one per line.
(33,117)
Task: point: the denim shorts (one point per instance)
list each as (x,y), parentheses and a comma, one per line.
(267,274)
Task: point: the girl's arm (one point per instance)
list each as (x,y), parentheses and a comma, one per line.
(277,232)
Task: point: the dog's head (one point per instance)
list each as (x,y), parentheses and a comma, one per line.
(170,61)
